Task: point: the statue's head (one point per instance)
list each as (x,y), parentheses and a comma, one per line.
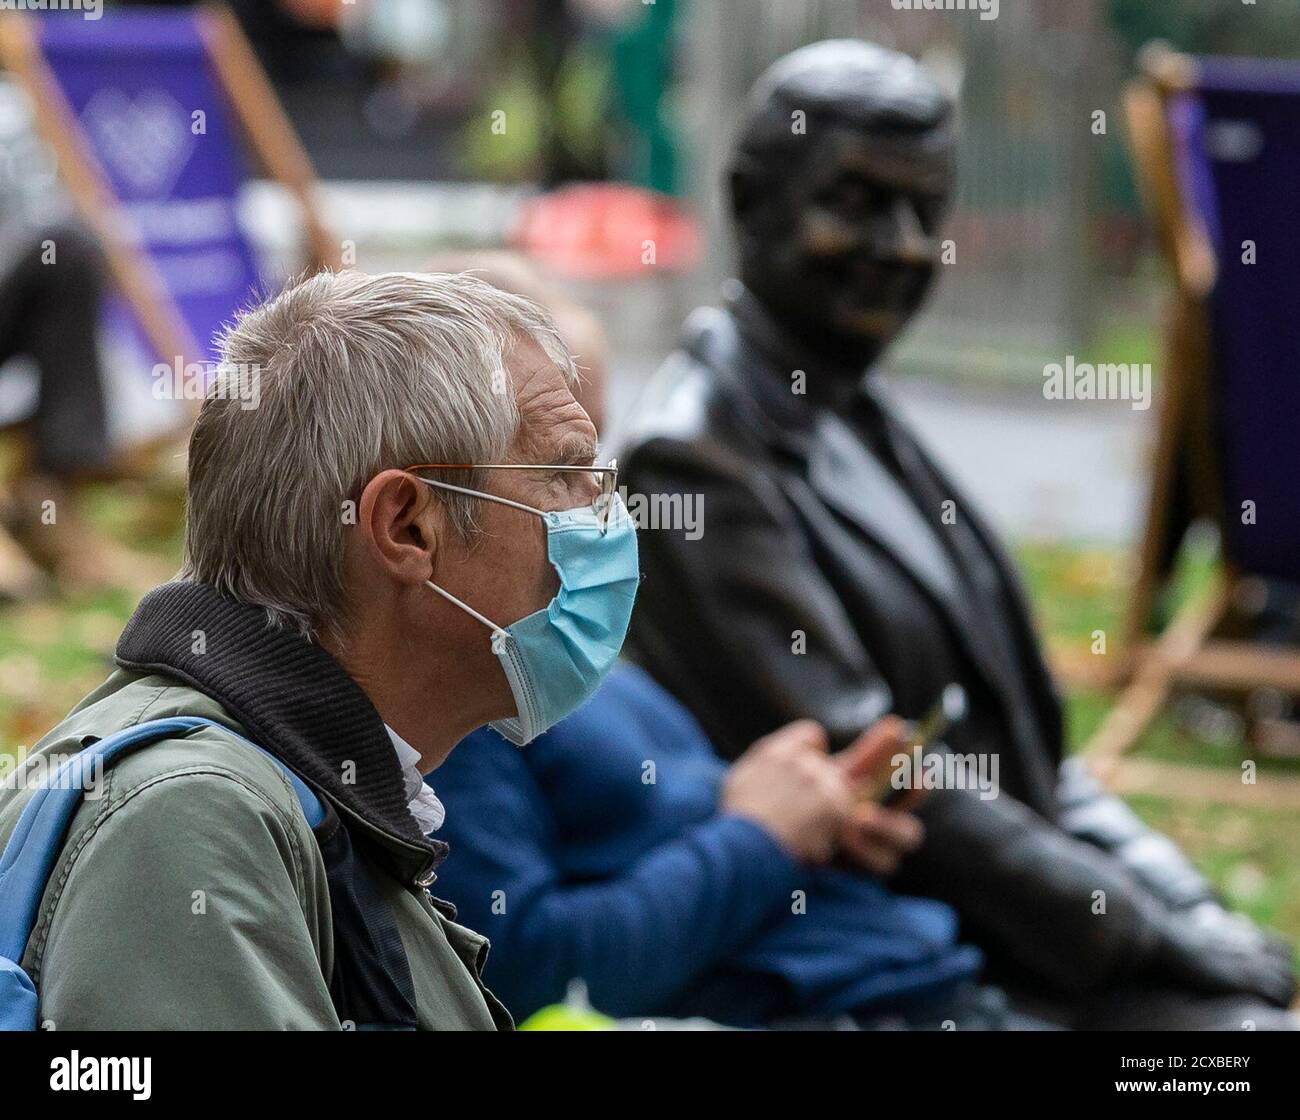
(839,181)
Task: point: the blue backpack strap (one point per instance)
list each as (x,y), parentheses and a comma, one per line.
(37,840)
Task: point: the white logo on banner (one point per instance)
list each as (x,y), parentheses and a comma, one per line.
(146,139)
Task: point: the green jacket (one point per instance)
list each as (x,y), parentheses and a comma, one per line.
(191,892)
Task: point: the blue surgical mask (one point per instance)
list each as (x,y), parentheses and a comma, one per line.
(555,659)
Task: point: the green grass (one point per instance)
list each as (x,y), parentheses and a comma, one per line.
(54,651)
(1124,340)
(1252,856)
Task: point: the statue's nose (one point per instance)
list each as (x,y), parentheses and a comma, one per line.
(908,242)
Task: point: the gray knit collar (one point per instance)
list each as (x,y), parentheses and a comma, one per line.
(291,697)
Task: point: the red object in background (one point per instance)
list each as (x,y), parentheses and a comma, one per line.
(607,231)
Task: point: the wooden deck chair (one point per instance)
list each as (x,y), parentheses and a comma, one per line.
(1216,144)
(143,110)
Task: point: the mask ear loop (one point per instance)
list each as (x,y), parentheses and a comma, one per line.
(468,610)
(498,634)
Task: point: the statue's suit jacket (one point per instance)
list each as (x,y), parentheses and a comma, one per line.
(815,588)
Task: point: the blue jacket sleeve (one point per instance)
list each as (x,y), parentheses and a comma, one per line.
(638,939)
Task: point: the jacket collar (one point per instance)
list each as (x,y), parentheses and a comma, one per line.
(773,358)
(755,358)
(743,344)
(294,699)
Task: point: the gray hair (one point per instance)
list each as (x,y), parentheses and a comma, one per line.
(354,374)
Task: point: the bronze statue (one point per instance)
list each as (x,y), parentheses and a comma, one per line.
(842,574)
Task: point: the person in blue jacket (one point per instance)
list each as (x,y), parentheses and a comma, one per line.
(619,850)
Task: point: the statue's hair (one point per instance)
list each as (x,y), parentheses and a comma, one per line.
(840,80)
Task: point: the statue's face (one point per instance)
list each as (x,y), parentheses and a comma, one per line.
(843,245)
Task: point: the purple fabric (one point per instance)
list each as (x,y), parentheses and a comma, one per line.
(135,81)
(1239,160)
(1248,75)
(1187,123)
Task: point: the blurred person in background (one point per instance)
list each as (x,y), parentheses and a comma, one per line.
(52,285)
(618,850)
(843,575)
(407,539)
(51,281)
(580,329)
(51,289)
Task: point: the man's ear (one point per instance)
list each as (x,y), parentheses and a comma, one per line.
(400,522)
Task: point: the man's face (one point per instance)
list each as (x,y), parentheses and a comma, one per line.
(504,573)
(845,245)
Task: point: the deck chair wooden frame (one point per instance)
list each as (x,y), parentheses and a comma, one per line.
(258,115)
(1186,650)
(275,147)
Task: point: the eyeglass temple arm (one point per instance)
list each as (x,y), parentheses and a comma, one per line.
(482,494)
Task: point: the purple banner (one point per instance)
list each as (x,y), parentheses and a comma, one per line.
(144,90)
(1239,135)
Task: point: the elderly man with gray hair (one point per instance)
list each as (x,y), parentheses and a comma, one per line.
(406,539)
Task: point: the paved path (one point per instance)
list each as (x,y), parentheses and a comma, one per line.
(1071,470)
